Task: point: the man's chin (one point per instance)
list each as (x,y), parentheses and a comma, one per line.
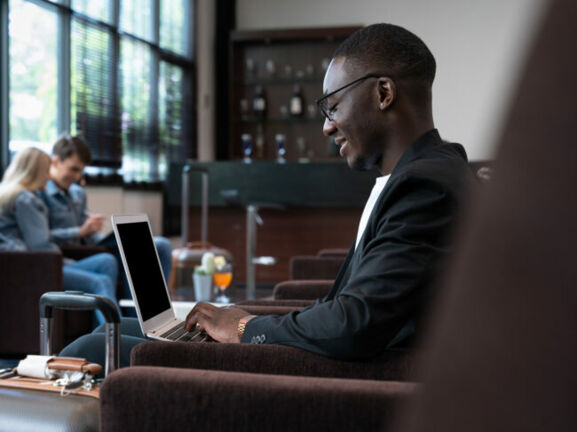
(364,163)
(359,164)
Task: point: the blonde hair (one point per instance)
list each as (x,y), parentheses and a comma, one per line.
(26,171)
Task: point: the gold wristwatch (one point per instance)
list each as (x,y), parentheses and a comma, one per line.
(242,324)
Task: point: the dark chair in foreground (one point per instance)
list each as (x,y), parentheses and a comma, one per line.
(505,345)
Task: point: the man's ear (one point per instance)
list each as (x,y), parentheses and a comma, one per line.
(386,92)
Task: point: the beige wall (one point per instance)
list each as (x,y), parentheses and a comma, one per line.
(479,46)
(114,200)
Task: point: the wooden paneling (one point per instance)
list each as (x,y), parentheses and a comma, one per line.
(285,233)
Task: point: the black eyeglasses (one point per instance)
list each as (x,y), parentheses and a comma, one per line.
(322,103)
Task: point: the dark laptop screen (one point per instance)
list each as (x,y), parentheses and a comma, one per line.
(145,270)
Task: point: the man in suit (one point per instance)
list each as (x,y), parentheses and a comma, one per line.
(377,105)
(378,108)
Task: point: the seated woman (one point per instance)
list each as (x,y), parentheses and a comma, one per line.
(24,226)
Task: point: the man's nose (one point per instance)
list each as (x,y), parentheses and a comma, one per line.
(328,127)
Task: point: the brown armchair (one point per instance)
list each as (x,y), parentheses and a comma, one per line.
(314,267)
(302,289)
(394,364)
(252,387)
(25,276)
(333,252)
(290,295)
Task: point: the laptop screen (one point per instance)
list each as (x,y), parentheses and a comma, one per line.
(144,267)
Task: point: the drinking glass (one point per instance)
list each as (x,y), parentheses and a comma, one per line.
(222,279)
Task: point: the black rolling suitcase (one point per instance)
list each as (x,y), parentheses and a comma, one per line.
(31,404)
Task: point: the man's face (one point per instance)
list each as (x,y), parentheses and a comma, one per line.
(353,110)
(66,172)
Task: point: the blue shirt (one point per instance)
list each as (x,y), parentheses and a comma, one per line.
(24,224)
(67,212)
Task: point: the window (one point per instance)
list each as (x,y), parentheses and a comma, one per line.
(33,75)
(118,72)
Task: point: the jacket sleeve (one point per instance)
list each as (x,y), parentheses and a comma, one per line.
(65,235)
(390,272)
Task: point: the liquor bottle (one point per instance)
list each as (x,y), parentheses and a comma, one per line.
(259,142)
(302,150)
(280,140)
(259,102)
(297,103)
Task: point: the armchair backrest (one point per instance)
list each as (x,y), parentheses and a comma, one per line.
(24,277)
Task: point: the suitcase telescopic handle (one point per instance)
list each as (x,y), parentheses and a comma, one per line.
(77,300)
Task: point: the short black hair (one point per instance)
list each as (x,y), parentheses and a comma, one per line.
(67,146)
(392,49)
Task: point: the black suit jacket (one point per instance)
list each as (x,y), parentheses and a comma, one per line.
(379,293)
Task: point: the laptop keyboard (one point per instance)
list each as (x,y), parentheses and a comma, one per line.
(178,333)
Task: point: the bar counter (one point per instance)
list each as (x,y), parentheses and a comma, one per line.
(290,184)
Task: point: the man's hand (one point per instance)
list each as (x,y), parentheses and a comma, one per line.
(91,225)
(220,323)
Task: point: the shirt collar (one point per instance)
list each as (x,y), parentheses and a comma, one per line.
(53,189)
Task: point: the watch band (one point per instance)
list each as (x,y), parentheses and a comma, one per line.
(242,324)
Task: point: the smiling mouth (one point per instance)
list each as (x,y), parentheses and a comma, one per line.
(342,143)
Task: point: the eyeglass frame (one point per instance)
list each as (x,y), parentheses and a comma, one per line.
(321,101)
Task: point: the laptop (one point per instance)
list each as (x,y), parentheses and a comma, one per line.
(146,280)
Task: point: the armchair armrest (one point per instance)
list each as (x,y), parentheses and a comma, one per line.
(164,399)
(333,252)
(315,267)
(302,289)
(271,359)
(265,309)
(286,303)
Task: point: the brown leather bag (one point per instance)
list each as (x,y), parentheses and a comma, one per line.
(73,364)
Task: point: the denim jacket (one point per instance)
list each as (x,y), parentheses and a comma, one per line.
(24,224)
(67,212)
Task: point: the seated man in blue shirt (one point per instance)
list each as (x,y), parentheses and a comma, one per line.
(70,222)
